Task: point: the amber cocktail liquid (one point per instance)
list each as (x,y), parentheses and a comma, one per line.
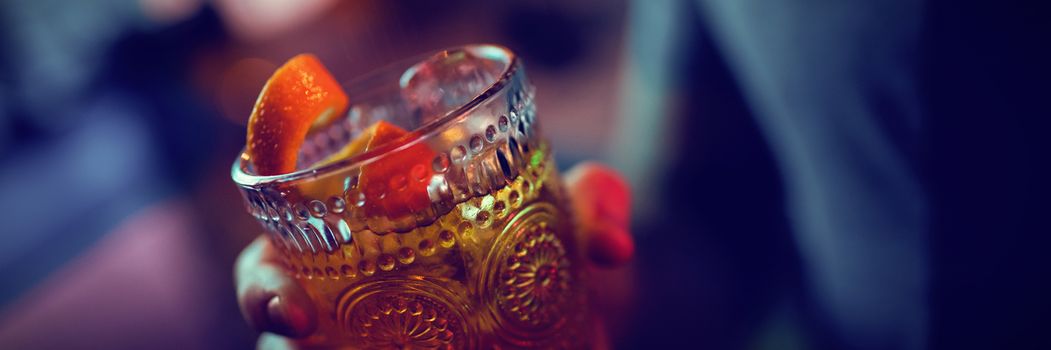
(455,235)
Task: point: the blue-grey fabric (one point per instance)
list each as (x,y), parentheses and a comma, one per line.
(833,85)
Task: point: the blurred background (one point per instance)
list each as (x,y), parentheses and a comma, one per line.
(806,174)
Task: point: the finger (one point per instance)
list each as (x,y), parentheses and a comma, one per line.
(270,300)
(602,204)
(271,341)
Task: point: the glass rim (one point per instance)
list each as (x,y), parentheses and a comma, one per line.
(243,178)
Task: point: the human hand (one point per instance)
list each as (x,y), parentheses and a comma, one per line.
(274,303)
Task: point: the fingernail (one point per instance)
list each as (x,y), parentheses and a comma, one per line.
(286,319)
(278,319)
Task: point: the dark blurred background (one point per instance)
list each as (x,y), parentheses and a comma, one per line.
(807,174)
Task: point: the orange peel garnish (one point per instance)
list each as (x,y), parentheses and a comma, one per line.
(301,95)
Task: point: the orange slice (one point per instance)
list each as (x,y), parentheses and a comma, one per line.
(396,183)
(300,95)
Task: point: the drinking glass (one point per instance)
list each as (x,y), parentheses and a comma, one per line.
(456,235)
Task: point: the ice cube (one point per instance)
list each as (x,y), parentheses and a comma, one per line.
(447,81)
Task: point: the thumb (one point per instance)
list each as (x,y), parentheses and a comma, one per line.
(270,300)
